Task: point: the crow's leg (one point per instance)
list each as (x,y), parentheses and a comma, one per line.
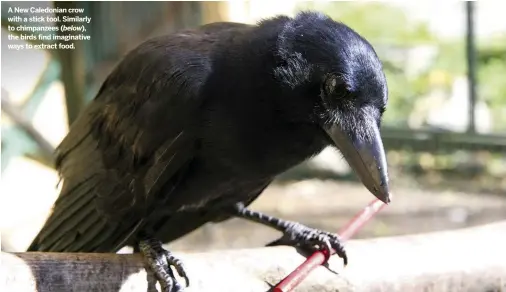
(295,233)
(160,261)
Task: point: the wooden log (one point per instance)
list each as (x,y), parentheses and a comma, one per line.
(472,259)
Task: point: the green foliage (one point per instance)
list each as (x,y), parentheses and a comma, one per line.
(401,97)
(376,21)
(451,58)
(492,82)
(492,77)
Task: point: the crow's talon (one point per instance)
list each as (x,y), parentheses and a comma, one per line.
(160,261)
(315,239)
(178,265)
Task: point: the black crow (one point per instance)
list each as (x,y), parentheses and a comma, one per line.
(191,127)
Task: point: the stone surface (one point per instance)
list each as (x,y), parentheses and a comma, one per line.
(470,259)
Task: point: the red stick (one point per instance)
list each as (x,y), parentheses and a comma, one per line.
(318,258)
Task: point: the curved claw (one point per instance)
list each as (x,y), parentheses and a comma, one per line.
(308,237)
(340,251)
(160,261)
(178,265)
(331,242)
(327,247)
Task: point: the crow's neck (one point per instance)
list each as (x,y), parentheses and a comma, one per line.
(243,69)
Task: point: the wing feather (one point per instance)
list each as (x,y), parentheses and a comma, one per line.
(133,139)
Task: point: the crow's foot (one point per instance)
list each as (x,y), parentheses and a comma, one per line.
(159,261)
(295,234)
(310,239)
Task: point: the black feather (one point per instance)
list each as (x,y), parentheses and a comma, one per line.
(189,124)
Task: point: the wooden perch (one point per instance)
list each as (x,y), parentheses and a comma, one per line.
(472,259)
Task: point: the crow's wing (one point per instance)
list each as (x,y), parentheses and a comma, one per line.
(135,137)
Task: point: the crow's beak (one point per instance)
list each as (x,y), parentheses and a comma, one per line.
(366,158)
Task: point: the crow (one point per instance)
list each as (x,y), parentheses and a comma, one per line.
(191,127)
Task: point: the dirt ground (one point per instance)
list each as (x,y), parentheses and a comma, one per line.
(329,204)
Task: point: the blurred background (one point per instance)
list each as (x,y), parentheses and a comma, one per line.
(444,129)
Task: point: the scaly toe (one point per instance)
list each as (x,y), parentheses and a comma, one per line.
(159,261)
(178,265)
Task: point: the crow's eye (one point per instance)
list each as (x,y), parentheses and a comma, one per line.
(332,89)
(329,85)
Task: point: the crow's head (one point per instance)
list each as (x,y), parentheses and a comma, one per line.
(333,72)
